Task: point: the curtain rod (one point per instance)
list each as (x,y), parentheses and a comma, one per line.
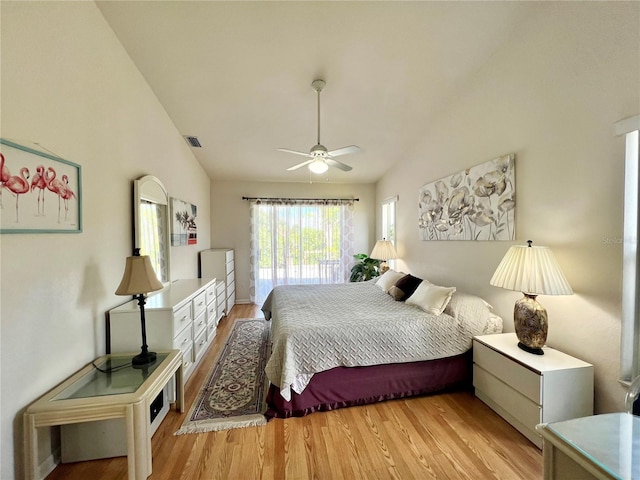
(285,199)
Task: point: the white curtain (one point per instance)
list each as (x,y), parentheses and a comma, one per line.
(299,242)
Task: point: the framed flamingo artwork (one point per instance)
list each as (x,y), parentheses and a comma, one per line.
(39,192)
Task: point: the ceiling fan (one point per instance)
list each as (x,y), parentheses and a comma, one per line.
(321,158)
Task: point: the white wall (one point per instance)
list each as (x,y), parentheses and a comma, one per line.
(551,96)
(230,216)
(68,84)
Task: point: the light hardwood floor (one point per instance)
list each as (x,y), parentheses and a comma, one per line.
(443,436)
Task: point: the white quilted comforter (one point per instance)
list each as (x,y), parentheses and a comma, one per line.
(319,327)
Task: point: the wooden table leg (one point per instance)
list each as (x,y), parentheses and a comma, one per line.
(180,389)
(30,447)
(142,440)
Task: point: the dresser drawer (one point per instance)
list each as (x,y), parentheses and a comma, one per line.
(230,279)
(212,329)
(519,377)
(199,304)
(182,317)
(200,345)
(231,301)
(228,256)
(514,403)
(210,294)
(188,362)
(220,286)
(212,313)
(199,324)
(184,340)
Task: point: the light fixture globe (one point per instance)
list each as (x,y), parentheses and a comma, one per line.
(318,166)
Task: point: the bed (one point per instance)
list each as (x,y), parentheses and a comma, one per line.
(340,345)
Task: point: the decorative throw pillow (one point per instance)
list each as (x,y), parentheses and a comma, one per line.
(431,298)
(405,287)
(388,279)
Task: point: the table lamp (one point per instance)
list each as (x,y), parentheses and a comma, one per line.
(139,279)
(532,271)
(383,250)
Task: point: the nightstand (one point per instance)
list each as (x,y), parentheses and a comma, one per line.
(527,389)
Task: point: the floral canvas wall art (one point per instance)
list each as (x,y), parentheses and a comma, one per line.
(474,204)
(183,223)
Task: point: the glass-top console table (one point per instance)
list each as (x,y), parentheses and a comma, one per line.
(601,447)
(109,387)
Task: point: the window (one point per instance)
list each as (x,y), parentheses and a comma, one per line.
(299,242)
(630,336)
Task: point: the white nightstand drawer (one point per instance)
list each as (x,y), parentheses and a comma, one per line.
(526,411)
(520,378)
(182,317)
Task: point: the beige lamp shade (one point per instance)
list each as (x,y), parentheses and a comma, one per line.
(531,270)
(139,277)
(384,250)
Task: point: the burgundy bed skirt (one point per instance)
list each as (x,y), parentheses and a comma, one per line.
(348,386)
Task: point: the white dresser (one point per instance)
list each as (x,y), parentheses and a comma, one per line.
(527,389)
(219,263)
(181,316)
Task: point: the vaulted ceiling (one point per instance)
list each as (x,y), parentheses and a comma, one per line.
(238,75)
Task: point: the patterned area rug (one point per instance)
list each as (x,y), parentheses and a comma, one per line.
(233,395)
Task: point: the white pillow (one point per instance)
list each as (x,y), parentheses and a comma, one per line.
(388,279)
(474,313)
(431,298)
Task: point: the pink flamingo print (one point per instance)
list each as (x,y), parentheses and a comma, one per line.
(18,185)
(39,181)
(5,174)
(68,193)
(56,186)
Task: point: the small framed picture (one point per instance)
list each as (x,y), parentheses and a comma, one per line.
(184,230)
(39,192)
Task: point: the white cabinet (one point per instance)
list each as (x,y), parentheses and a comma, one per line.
(177,317)
(527,389)
(219,263)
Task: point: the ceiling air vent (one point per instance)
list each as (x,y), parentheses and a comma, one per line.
(193,141)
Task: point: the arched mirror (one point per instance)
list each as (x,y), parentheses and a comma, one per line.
(151,227)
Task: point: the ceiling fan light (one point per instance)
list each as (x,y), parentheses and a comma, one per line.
(318,166)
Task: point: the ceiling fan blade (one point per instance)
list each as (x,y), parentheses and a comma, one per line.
(335,163)
(295,167)
(304,154)
(344,151)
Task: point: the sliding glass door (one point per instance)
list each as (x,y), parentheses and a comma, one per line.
(299,242)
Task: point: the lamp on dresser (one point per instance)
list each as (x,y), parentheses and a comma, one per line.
(138,279)
(533,271)
(383,250)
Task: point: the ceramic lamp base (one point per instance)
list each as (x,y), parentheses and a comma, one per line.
(531,325)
